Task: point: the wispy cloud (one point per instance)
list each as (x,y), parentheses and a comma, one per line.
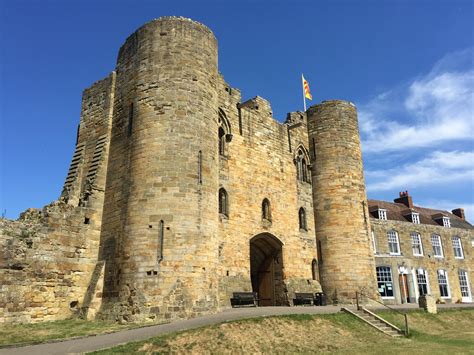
(427,112)
(437,168)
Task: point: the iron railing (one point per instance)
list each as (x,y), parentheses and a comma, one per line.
(405,331)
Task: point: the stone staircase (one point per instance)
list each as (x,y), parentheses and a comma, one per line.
(375,321)
(96,158)
(74,167)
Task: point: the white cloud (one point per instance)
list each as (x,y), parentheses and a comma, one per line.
(437,168)
(430,111)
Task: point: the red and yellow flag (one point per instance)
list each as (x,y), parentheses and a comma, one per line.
(307,93)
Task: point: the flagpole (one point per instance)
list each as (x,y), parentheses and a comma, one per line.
(304,97)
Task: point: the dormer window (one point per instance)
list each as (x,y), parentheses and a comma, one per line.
(446,222)
(415,218)
(382,214)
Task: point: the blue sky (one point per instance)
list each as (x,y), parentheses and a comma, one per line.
(406,64)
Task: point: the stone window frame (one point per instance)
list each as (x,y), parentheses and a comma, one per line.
(224,133)
(314,269)
(302,221)
(223,203)
(457,246)
(302,163)
(266,210)
(422,275)
(419,243)
(443,282)
(393,240)
(437,246)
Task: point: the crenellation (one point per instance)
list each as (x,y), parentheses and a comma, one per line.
(142,230)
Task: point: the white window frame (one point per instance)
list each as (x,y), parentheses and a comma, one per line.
(464,284)
(444,274)
(446,222)
(424,273)
(415,218)
(382,214)
(392,238)
(413,236)
(386,282)
(374,242)
(457,240)
(436,239)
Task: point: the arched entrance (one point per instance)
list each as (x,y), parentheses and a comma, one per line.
(266,269)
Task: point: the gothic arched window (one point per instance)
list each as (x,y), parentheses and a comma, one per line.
(224,133)
(223,202)
(266,210)
(221,141)
(302,162)
(302,218)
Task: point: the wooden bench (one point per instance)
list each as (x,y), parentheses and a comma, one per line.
(241,299)
(303,299)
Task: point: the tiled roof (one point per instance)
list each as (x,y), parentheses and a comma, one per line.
(396,212)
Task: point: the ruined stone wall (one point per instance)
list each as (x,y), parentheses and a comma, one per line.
(86,172)
(407,263)
(159,234)
(48,258)
(259,163)
(340,202)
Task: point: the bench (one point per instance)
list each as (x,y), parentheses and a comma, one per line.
(303,299)
(241,299)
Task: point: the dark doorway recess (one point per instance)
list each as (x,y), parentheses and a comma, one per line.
(266,269)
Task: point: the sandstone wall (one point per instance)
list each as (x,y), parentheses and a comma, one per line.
(260,163)
(49,265)
(340,202)
(159,233)
(410,263)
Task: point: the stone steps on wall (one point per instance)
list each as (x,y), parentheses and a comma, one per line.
(73,168)
(96,157)
(375,321)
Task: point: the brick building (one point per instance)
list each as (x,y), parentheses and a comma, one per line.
(180,192)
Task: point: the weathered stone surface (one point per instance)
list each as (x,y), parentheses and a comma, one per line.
(428,303)
(140,231)
(342,219)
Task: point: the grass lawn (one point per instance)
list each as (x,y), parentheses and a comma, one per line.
(40,332)
(446,332)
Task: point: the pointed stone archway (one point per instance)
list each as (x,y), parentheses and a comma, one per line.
(266,269)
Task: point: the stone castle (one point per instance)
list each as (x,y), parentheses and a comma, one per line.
(180,193)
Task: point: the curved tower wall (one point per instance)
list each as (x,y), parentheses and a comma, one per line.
(160,219)
(340,202)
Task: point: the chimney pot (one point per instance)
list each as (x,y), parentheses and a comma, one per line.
(404,198)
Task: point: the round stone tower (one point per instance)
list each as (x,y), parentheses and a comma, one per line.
(340,202)
(161,207)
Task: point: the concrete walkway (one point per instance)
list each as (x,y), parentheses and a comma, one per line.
(92,343)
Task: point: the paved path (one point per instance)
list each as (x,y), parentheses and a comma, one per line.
(92,343)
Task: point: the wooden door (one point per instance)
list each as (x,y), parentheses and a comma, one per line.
(266,283)
(404,288)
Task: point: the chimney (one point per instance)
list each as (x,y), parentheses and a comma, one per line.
(460,213)
(405,199)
